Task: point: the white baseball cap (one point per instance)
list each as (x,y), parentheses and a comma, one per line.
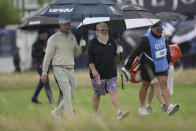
(168,29)
(64,20)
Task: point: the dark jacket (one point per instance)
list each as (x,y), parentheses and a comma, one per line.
(38,51)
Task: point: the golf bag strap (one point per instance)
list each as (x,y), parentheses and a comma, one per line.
(148,56)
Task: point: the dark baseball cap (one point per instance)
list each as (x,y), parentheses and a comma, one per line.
(158,25)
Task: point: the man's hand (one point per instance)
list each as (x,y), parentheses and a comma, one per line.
(119,49)
(44,78)
(95,74)
(44,49)
(94,71)
(82,43)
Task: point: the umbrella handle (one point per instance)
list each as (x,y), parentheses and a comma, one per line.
(82,26)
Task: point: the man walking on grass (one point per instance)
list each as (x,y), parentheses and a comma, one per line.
(38,52)
(61,49)
(154,63)
(102,52)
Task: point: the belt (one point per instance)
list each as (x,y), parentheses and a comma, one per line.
(65,66)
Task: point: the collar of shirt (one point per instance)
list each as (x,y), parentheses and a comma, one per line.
(65,35)
(155,35)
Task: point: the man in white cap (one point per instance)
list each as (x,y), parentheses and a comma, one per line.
(61,49)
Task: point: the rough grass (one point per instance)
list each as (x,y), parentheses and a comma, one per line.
(17,113)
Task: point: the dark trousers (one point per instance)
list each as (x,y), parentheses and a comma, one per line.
(41,85)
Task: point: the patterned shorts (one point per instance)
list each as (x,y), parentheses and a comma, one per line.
(105,87)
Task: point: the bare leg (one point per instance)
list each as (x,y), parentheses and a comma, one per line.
(164,88)
(115,99)
(157,89)
(143,92)
(150,94)
(96,101)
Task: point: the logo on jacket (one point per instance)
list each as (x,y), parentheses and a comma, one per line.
(160,45)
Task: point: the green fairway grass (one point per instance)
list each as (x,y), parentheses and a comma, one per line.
(17,113)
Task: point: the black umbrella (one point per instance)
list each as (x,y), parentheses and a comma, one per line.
(39,22)
(36,22)
(171,17)
(135,17)
(184,34)
(82,8)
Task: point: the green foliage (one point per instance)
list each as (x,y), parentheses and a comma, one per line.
(8,14)
(42,2)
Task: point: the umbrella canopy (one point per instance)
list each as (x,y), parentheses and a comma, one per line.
(184,34)
(39,22)
(82,8)
(171,17)
(36,22)
(135,16)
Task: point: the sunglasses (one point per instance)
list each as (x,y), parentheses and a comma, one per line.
(103,29)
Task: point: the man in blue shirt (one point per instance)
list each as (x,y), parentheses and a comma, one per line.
(155,61)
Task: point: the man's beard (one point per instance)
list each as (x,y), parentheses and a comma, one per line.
(103,38)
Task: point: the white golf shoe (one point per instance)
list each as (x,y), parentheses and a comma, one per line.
(95,117)
(142,111)
(56,115)
(172,109)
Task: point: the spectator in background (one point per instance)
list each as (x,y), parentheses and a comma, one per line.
(17,60)
(186,59)
(38,52)
(193,53)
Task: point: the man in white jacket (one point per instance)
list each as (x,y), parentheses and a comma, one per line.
(61,49)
